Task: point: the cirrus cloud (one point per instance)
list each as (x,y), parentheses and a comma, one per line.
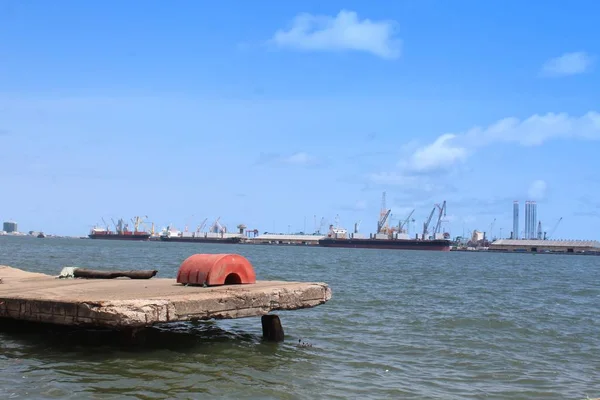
(567,64)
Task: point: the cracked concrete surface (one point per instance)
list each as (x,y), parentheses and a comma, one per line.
(126,303)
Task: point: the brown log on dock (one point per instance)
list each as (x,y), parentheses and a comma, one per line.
(97,274)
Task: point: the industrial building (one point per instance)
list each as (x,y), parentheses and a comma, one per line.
(546,246)
(10,227)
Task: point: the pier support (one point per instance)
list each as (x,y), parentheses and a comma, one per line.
(272,329)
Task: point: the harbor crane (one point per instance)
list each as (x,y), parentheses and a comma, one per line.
(438,225)
(384,215)
(201,226)
(492,229)
(382,221)
(120,227)
(137,221)
(553,229)
(426,223)
(402,224)
(319,227)
(217,227)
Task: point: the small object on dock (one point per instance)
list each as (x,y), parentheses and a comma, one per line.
(76,272)
(216,270)
(67,272)
(97,274)
(271,328)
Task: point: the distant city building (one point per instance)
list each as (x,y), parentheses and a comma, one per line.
(527,219)
(10,227)
(515,234)
(530,220)
(534,221)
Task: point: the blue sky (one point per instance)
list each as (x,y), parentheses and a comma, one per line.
(269,113)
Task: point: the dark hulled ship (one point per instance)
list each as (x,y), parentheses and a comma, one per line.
(201,239)
(216,234)
(395,238)
(121,231)
(391,243)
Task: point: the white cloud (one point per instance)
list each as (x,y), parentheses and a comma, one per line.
(438,154)
(392,178)
(567,64)
(537,129)
(537,190)
(448,149)
(300,158)
(342,32)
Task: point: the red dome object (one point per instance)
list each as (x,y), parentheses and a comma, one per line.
(216,269)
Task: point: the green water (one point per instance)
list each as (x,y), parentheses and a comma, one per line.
(400,325)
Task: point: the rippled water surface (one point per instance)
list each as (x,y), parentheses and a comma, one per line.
(401,324)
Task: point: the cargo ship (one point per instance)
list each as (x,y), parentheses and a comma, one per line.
(206,237)
(395,238)
(121,231)
(391,243)
(216,234)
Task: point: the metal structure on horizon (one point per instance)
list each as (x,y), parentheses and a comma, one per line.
(515,232)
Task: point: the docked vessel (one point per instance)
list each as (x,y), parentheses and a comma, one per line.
(392,243)
(121,232)
(216,234)
(202,238)
(396,238)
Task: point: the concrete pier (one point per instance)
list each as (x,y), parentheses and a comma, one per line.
(124,303)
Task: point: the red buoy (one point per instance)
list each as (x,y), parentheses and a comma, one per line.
(216,269)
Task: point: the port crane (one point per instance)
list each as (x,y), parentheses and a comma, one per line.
(492,229)
(319,227)
(137,221)
(217,227)
(402,224)
(554,228)
(426,223)
(438,225)
(120,227)
(383,216)
(201,226)
(382,221)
